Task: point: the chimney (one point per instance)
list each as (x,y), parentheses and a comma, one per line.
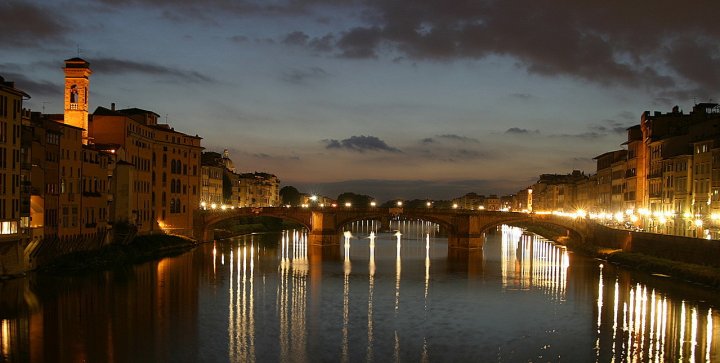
(112,106)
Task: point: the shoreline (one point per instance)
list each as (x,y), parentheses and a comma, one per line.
(140,249)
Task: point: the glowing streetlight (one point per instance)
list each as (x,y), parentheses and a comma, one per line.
(203,205)
(428,204)
(348,204)
(698,223)
(314,198)
(455,205)
(373,204)
(399,203)
(213,206)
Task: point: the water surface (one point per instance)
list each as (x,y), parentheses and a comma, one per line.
(375,297)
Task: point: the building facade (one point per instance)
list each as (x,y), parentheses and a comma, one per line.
(12,241)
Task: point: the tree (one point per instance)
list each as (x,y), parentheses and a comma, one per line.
(290,195)
(227,187)
(357,200)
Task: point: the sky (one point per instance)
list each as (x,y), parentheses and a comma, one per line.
(394,99)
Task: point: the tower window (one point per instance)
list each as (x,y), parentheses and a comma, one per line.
(73,94)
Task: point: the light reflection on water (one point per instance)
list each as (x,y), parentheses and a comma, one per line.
(374,297)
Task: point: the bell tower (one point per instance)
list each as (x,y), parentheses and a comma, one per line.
(77,85)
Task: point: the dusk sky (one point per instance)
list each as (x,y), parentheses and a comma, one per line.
(408,99)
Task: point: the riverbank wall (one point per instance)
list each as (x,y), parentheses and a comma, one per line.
(677,248)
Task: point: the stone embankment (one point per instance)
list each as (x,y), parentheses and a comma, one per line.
(690,259)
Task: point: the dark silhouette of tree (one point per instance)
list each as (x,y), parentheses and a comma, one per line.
(227,187)
(290,195)
(357,200)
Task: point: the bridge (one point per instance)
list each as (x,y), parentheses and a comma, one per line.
(465,228)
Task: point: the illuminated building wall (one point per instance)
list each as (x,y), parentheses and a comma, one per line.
(166,177)
(11,98)
(211,190)
(258,190)
(176,158)
(76,95)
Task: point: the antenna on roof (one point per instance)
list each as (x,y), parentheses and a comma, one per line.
(78,49)
(166,118)
(43,106)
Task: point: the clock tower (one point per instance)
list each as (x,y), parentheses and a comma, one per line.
(77,84)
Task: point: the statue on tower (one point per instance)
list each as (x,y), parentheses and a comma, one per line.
(73,94)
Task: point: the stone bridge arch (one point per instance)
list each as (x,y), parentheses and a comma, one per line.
(466,229)
(204,221)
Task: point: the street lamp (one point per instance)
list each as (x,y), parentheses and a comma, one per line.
(399,203)
(373,204)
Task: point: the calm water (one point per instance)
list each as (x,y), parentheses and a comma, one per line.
(377,297)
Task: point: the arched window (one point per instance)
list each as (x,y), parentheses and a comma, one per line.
(172,205)
(172,166)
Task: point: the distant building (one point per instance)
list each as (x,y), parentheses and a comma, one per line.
(557,192)
(258,190)
(492,203)
(211,189)
(611,180)
(470,201)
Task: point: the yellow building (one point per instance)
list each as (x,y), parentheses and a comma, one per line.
(165,180)
(258,190)
(211,189)
(11,240)
(176,175)
(77,92)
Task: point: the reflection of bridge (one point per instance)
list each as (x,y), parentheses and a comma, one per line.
(465,228)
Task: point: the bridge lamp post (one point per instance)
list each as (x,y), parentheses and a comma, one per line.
(373,204)
(428,204)
(348,204)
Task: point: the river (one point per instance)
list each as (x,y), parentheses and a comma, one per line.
(375,297)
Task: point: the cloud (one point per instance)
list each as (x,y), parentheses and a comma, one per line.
(360,144)
(28,25)
(360,42)
(604,43)
(32,87)
(122,66)
(519,131)
(522,96)
(451,148)
(239,39)
(303,75)
(459,138)
(296,38)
